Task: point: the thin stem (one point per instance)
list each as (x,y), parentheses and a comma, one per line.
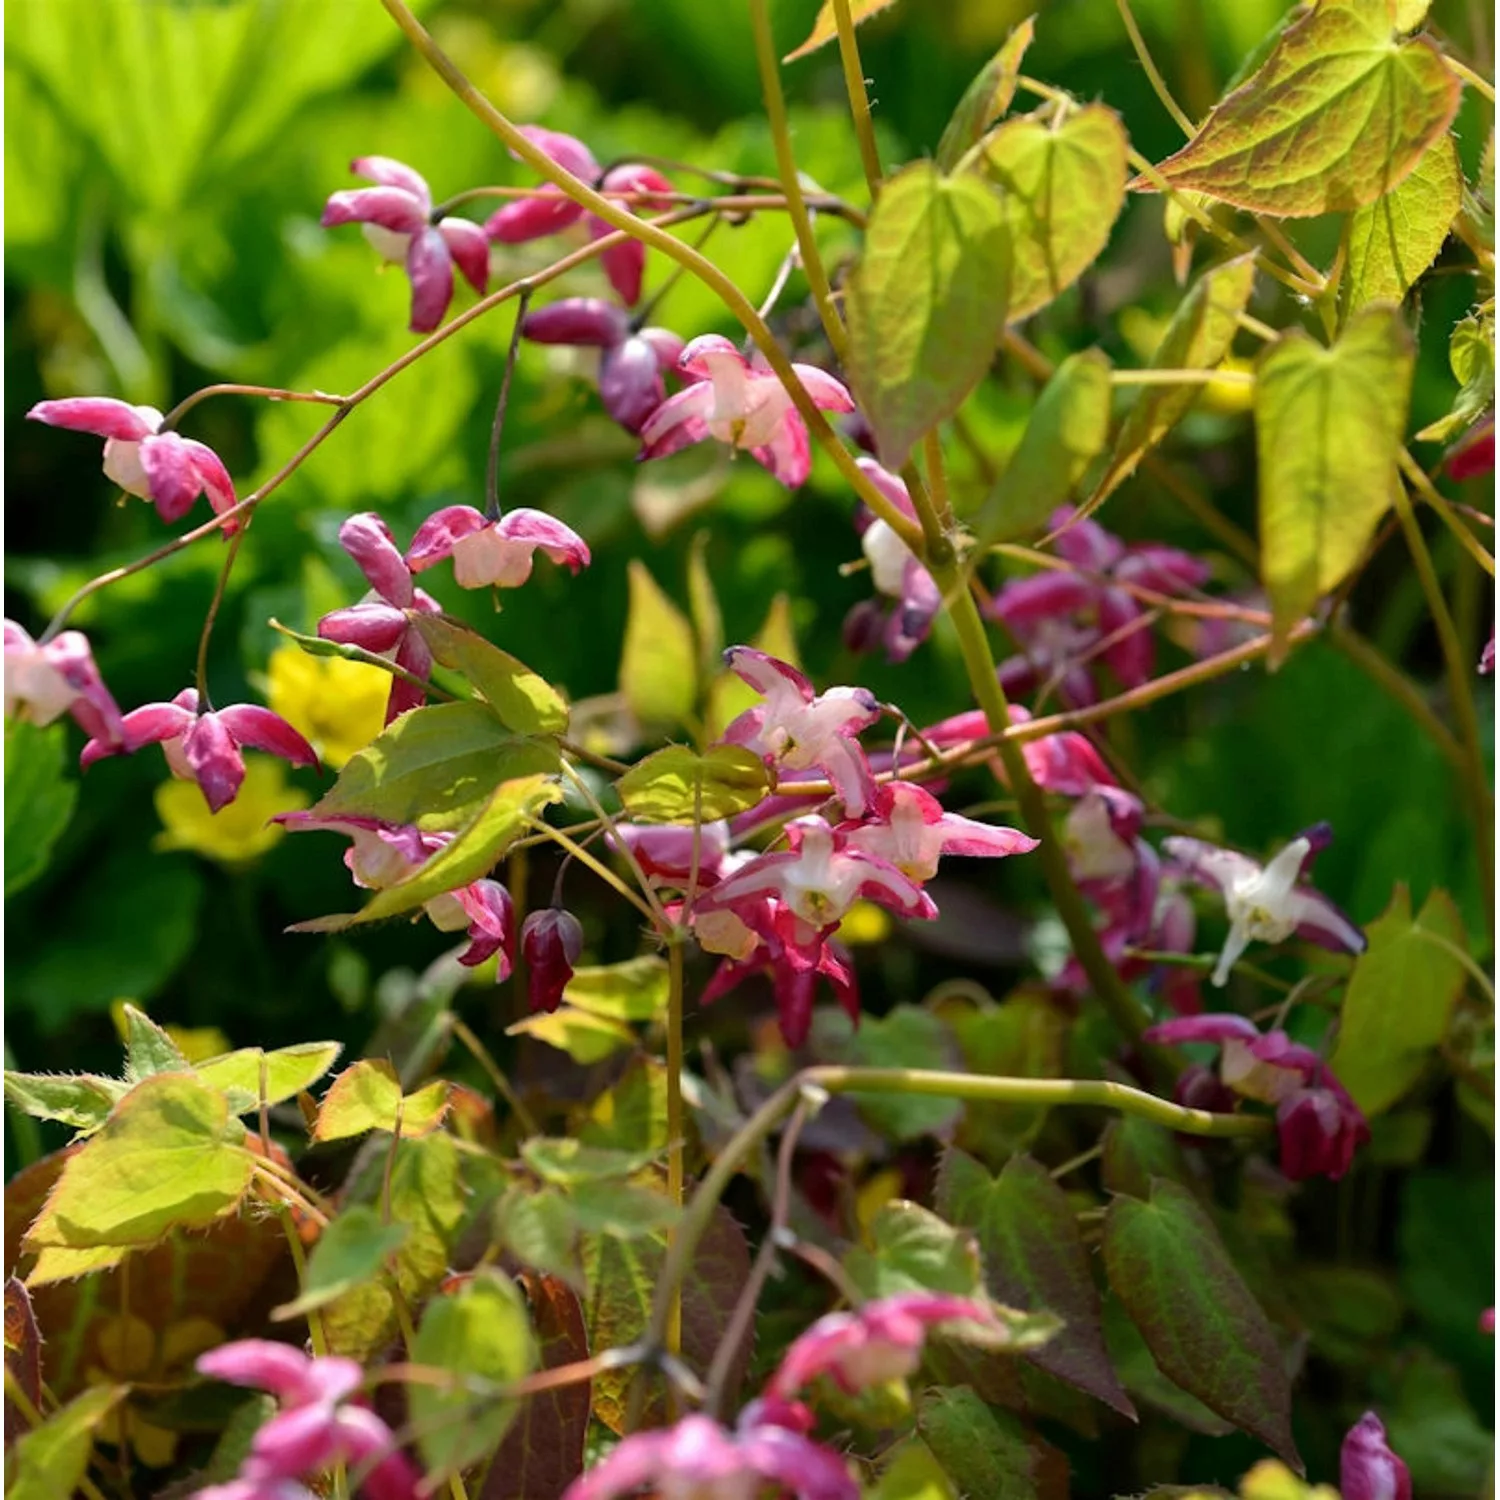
(791,185)
(1470,964)
(659,918)
(201,676)
(348,652)
(1074,1162)
(937,478)
(1205,962)
(503,1085)
(270,392)
(1419,481)
(676,1124)
(492,464)
(1181,377)
(1158,83)
(1470,77)
(1203,512)
(1376,666)
(299,1264)
(859,99)
(1263,331)
(603,871)
(1295,258)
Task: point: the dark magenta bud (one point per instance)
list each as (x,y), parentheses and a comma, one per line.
(551,941)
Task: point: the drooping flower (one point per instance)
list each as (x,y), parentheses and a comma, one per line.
(907,827)
(664,851)
(396,215)
(320,1424)
(881,1341)
(165,468)
(498,553)
(1473,455)
(550,211)
(205,746)
(799,729)
(897,573)
(1487,656)
(382,624)
(1061,620)
(44,682)
(1267,903)
(632,362)
(698,1460)
(1368,1469)
(551,940)
(742,403)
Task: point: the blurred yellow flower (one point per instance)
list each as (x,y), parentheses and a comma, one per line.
(1272,1480)
(865,923)
(339,705)
(1143,332)
(242,830)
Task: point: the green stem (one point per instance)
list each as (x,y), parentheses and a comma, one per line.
(1480,85)
(1375,665)
(1158,83)
(1430,493)
(676,1125)
(859,99)
(503,1086)
(603,871)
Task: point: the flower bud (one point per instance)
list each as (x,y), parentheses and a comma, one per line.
(1368,1470)
(551,941)
(630,383)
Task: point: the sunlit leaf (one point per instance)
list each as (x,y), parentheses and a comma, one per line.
(353,1249)
(585,1037)
(524,700)
(1338,114)
(39,799)
(826,27)
(659,664)
(679,785)
(986,99)
(566,1162)
(1329,424)
(80,1099)
(635,990)
(1395,238)
(1471,357)
(367,1096)
(910,1472)
(148,1048)
(926,303)
(1064,187)
(288,1070)
(49,1461)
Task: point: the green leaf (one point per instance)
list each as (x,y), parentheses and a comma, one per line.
(1431,1424)
(1067,430)
(568,1162)
(436,767)
(148,1048)
(540,1229)
(39,799)
(907,1037)
(585,1037)
(1135,1151)
(352,1250)
(1142,1377)
(825,27)
(703,602)
(986,99)
(80,1099)
(1395,238)
(926,304)
(911,1249)
(524,700)
(288,1071)
(49,1461)
(1064,187)
(1168,1266)
(169,1157)
(636,990)
(679,785)
(481,1332)
(1471,357)
(367,1096)
(982,1450)
(1338,114)
(1400,999)
(604,1207)
(910,1472)
(1329,424)
(659,665)
(632,1114)
(1198,337)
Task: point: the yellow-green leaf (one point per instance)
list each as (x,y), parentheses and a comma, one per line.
(584,1037)
(635,990)
(703,601)
(566,1162)
(1395,238)
(678,785)
(1471,357)
(367,1096)
(171,1156)
(351,1251)
(987,98)
(1338,114)
(1064,183)
(1329,424)
(83,1100)
(288,1071)
(926,304)
(659,667)
(49,1461)
(523,699)
(826,26)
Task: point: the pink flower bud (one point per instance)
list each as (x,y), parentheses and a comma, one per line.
(551,941)
(1368,1469)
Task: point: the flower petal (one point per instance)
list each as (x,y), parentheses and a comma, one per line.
(470,248)
(678,422)
(1043,596)
(589,321)
(1218,1027)
(212,475)
(212,753)
(102,415)
(260,729)
(437,534)
(566,150)
(172,471)
(389,172)
(789,453)
(630,383)
(389,207)
(827,393)
(549,212)
(536,528)
(368,540)
(375,626)
(429,267)
(765,673)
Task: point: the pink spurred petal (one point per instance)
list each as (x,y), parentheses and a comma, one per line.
(667,346)
(890,485)
(1085,544)
(1474,453)
(589,321)
(765,673)
(1132,655)
(884,884)
(630,383)
(1320,921)
(1043,596)
(172,471)
(535,527)
(624,264)
(491,931)
(1368,1468)
(394,174)
(374,626)
(470,248)
(391,208)
(93,708)
(697,354)
(789,453)
(636,178)
(368,540)
(101,415)
(849,772)
(212,475)
(968,837)
(797,1464)
(261,729)
(1207,864)
(213,755)
(566,150)
(826,392)
(678,422)
(417,659)
(437,534)
(263,1364)
(1165,569)
(429,267)
(148,725)
(549,212)
(1211,1028)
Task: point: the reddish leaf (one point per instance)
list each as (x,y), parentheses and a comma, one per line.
(23,1357)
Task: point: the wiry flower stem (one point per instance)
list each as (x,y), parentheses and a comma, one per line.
(859,99)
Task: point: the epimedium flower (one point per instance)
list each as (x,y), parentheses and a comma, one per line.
(551,940)
(496,552)
(741,402)
(798,729)
(907,827)
(632,361)
(1267,903)
(396,215)
(697,1459)
(881,1341)
(43,682)
(205,745)
(381,623)
(165,468)
(898,574)
(319,1423)
(550,211)
(1368,1467)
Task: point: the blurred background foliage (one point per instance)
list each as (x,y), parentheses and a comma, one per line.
(166,163)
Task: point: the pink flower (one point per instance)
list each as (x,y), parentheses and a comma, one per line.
(383,854)
(1065,762)
(1487,656)
(740,402)
(1487,1321)
(698,1460)
(897,573)
(497,553)
(204,746)
(1368,1469)
(549,210)
(551,941)
(797,729)
(665,852)
(908,828)
(1060,618)
(44,682)
(1267,903)
(881,1341)
(397,219)
(631,362)
(169,470)
(318,1425)
(1473,455)
(381,623)
(793,984)
(1320,1129)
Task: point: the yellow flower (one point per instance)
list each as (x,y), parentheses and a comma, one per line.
(339,705)
(1272,1480)
(864,923)
(242,830)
